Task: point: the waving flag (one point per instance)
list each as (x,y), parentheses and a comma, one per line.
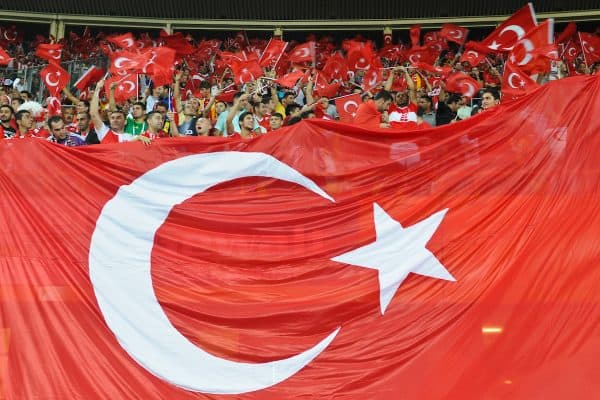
(454,33)
(590,46)
(49,52)
(272,53)
(505,36)
(304,52)
(516,82)
(325,261)
(55,78)
(124,41)
(463,84)
(5,58)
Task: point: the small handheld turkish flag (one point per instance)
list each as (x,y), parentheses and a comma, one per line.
(346,106)
(516,82)
(5,59)
(463,84)
(505,36)
(590,45)
(454,33)
(49,52)
(302,53)
(272,53)
(124,41)
(92,75)
(55,78)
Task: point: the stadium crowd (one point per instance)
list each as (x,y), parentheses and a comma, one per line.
(176,86)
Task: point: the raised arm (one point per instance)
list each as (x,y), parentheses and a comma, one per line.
(177,92)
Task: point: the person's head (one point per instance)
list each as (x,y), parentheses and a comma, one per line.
(454,102)
(261,108)
(490,98)
(366,97)
(288,98)
(220,106)
(82,106)
(138,109)
(68,113)
(276,121)
(6,113)
(293,109)
(24,119)
(402,98)
(57,127)
(155,121)
(246,121)
(203,126)
(158,91)
(83,121)
(425,103)
(243,101)
(116,120)
(26,96)
(270,103)
(188,109)
(323,102)
(382,100)
(16,102)
(162,108)
(5,100)
(204,89)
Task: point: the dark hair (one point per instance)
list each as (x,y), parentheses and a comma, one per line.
(161,104)
(151,113)
(54,119)
(140,103)
(18,99)
(86,102)
(384,94)
(19,114)
(453,98)
(495,93)
(238,95)
(87,114)
(243,115)
(290,108)
(427,99)
(12,111)
(205,85)
(293,120)
(278,115)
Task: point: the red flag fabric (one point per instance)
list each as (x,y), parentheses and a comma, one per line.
(272,53)
(360,57)
(124,62)
(443,71)
(5,58)
(571,50)
(54,106)
(126,86)
(177,42)
(371,79)
(289,80)
(246,71)
(124,41)
(463,84)
(415,35)
(49,52)
(336,68)
(505,36)
(346,107)
(568,33)
(92,75)
(516,82)
(160,64)
(472,56)
(327,259)
(304,52)
(454,33)
(590,46)
(55,78)
(421,54)
(529,53)
(323,88)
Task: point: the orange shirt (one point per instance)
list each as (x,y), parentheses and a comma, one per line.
(367,115)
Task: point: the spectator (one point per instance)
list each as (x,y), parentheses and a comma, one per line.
(447,108)
(136,120)
(8,126)
(84,129)
(426,104)
(59,134)
(370,113)
(24,121)
(276,121)
(489,99)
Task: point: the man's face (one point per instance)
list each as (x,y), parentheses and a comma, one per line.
(159,91)
(116,121)
(68,115)
(275,122)
(262,109)
(220,107)
(424,104)
(288,99)
(488,101)
(137,111)
(402,99)
(188,109)
(203,126)
(15,104)
(81,107)
(382,105)
(58,130)
(83,122)
(155,121)
(454,106)
(24,96)
(5,114)
(162,109)
(26,121)
(248,122)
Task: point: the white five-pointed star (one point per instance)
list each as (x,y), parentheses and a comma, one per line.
(398,251)
(494,46)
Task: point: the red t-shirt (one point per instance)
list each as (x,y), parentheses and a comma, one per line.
(264,122)
(367,115)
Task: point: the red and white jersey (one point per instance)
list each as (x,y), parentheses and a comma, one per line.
(264,122)
(107,135)
(403,114)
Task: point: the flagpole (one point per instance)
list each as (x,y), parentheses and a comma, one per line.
(280,55)
(137,92)
(263,53)
(582,50)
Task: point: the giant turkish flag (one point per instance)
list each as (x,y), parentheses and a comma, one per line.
(322,261)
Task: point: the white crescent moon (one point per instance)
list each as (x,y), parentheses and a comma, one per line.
(120,61)
(56,57)
(412,61)
(304,52)
(456,34)
(119,263)
(350,103)
(516,29)
(437,46)
(471,90)
(128,42)
(528,45)
(572,51)
(50,82)
(150,62)
(130,86)
(510,78)
(472,53)
(54,102)
(14,36)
